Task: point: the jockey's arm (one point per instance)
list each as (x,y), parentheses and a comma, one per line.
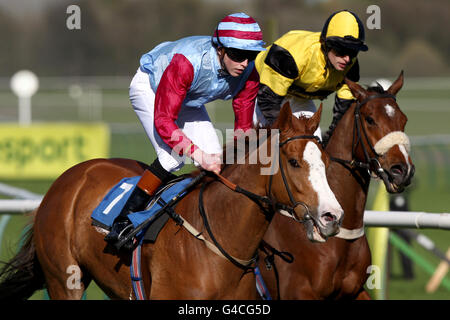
(244,103)
(172,89)
(344,96)
(269,103)
(277,73)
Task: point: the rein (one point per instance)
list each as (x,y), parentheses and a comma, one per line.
(269,261)
(260,200)
(358,127)
(245,265)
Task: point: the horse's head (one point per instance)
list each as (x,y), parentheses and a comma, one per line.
(381,141)
(301,180)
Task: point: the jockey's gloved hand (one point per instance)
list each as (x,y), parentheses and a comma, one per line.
(209,162)
(340,106)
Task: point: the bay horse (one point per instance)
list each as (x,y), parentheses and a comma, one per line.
(367,141)
(177,265)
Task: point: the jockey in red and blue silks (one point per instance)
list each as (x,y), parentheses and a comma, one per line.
(186,75)
(169,92)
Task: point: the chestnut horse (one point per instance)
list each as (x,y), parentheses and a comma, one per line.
(177,265)
(367,141)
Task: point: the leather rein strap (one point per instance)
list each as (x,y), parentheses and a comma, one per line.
(260,200)
(358,127)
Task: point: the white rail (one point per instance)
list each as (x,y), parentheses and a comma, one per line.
(389,219)
(407,219)
(24,200)
(14,192)
(18,205)
(28,202)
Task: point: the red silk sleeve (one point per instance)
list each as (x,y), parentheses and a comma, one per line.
(172,89)
(244,102)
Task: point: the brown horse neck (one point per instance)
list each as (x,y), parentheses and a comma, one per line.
(350,185)
(236,221)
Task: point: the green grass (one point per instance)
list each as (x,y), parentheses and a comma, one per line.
(427,113)
(400,288)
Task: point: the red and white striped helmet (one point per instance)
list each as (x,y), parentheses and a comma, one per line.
(239,31)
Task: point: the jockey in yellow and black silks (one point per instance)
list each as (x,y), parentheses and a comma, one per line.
(302,66)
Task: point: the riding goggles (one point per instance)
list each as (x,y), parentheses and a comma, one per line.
(238,55)
(342,52)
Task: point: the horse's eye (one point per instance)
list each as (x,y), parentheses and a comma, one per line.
(370,121)
(294,163)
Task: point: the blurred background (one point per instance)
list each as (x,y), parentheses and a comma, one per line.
(84,76)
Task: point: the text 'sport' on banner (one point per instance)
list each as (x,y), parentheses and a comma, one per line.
(44,151)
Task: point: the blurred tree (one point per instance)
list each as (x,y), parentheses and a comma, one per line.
(115,33)
(8,30)
(420,59)
(60,51)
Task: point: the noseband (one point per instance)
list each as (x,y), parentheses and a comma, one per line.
(372,164)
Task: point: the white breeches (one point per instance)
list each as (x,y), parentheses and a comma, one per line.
(194,122)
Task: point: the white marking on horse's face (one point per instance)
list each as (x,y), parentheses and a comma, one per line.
(406,155)
(390,110)
(319,182)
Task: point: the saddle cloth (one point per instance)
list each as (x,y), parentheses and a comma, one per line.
(112,204)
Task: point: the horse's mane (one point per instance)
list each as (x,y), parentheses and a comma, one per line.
(247,139)
(338,116)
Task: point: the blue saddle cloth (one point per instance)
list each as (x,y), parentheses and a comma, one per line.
(112,204)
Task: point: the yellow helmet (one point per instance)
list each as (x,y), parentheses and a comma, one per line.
(344,30)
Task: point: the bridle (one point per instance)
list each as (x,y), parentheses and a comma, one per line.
(372,164)
(280,206)
(267,203)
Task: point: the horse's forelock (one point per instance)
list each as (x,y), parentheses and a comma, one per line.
(377,89)
(338,116)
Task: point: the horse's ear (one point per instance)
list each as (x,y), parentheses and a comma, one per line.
(397,85)
(358,92)
(285,117)
(313,123)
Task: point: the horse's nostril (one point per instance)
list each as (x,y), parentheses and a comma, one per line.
(398,170)
(328,217)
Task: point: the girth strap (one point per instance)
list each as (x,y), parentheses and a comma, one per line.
(136,275)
